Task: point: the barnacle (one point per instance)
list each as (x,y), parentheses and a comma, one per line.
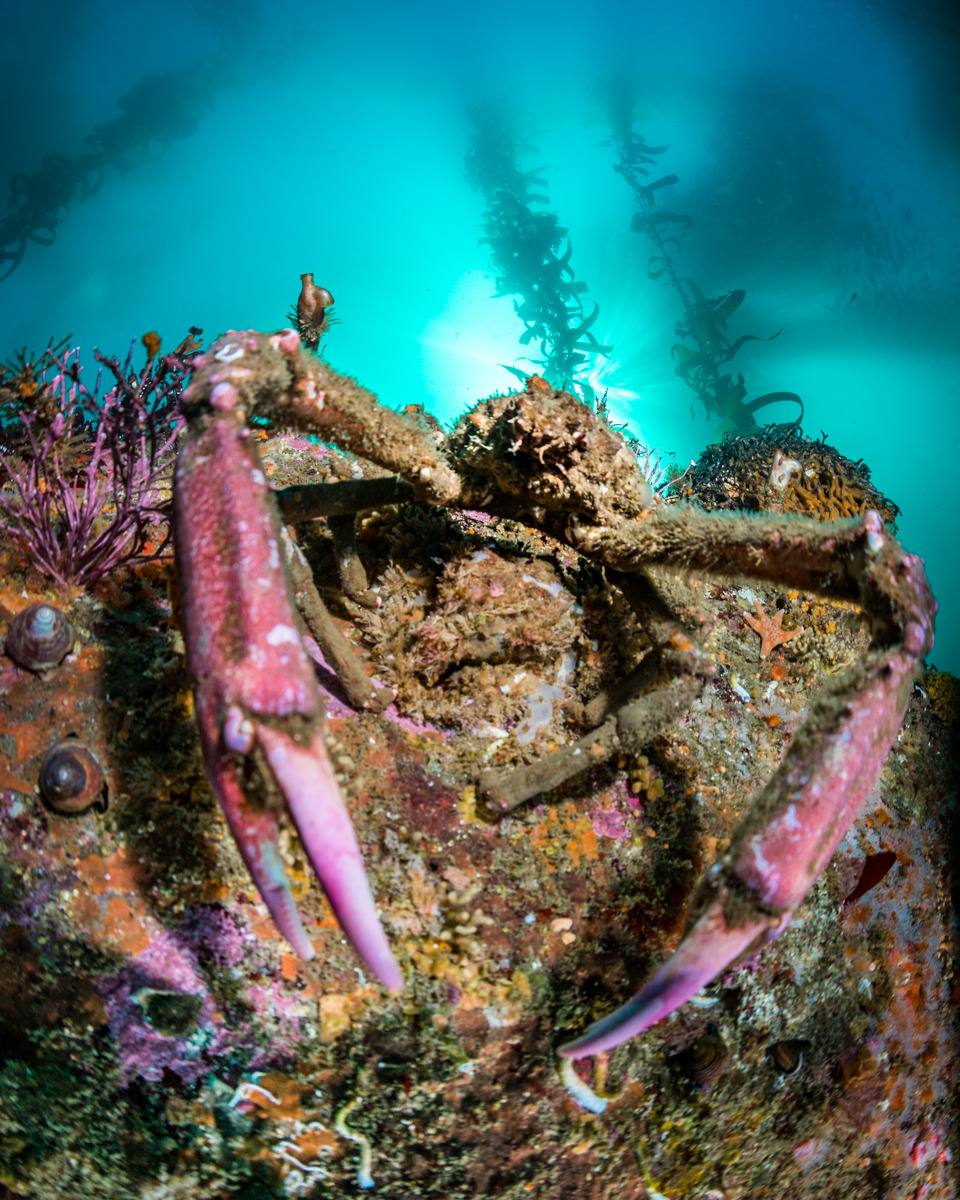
(787,1055)
(706,1060)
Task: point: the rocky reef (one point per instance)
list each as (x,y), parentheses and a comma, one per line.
(159,1040)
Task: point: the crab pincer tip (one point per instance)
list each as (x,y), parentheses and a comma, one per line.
(256,835)
(656,1000)
(280,905)
(707,949)
(306,778)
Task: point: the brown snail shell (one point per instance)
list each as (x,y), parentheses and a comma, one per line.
(787,1055)
(70,778)
(707,1059)
(312,300)
(39,638)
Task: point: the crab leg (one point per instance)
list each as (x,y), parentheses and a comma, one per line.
(258,707)
(625,717)
(786,840)
(537,456)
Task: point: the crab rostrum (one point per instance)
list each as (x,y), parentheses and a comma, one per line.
(542,457)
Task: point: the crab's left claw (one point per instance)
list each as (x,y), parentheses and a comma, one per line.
(785,842)
(258,707)
(709,947)
(234,747)
(255,829)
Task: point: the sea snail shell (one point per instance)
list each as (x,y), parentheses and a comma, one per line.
(707,1059)
(39,638)
(70,778)
(313,300)
(787,1056)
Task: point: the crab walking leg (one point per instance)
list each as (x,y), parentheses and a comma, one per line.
(785,842)
(258,706)
(272,375)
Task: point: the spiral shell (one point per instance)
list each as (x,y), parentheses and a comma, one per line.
(787,1055)
(39,638)
(70,778)
(707,1059)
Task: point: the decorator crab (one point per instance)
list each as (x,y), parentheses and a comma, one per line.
(543,458)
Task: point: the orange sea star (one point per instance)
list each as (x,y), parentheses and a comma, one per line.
(771,634)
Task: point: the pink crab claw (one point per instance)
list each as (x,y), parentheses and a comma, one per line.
(785,842)
(258,707)
(306,779)
(704,952)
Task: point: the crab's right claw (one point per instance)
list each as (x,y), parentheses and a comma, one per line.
(305,776)
(705,951)
(779,850)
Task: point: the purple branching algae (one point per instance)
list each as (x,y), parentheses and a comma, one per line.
(90,479)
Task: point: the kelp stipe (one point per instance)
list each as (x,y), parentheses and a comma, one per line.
(705,319)
(530,254)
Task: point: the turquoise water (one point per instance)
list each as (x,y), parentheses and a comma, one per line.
(817,148)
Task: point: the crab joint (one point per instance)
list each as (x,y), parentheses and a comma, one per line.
(238,730)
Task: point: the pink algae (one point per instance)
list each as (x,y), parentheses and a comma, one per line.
(609,822)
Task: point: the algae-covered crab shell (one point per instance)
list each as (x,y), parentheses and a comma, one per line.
(544,457)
